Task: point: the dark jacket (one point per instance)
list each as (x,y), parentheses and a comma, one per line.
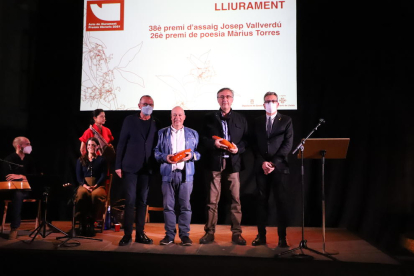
(27,169)
(276,148)
(97,168)
(238,130)
(135,148)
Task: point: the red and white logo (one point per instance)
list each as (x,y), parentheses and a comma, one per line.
(105,15)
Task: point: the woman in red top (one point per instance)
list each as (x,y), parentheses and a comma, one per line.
(103,134)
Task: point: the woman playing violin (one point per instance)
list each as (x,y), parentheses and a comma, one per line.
(97,130)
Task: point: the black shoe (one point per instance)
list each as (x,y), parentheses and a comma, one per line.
(90,228)
(283,243)
(142,238)
(238,239)
(166,240)
(186,241)
(83,229)
(125,240)
(207,238)
(259,240)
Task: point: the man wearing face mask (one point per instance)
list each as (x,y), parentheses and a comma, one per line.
(273,135)
(18,165)
(134,164)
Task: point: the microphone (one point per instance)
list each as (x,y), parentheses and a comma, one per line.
(300,146)
(11,163)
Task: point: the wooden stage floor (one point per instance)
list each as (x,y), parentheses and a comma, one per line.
(352,249)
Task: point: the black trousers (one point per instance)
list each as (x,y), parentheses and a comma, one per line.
(265,184)
(136,187)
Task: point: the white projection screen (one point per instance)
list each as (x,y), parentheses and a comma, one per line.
(181,52)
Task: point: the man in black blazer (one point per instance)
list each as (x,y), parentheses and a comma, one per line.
(224,163)
(134,162)
(273,135)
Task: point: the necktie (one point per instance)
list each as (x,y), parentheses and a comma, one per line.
(269,126)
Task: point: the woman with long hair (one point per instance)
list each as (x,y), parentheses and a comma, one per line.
(91,171)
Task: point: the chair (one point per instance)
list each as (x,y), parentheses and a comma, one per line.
(100,223)
(6,207)
(149,208)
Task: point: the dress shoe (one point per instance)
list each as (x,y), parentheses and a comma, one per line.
(125,240)
(283,243)
(207,238)
(166,240)
(238,239)
(13,234)
(259,240)
(186,241)
(142,238)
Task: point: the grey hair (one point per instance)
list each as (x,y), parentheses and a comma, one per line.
(270,94)
(226,88)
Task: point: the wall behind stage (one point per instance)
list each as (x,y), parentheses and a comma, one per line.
(354,70)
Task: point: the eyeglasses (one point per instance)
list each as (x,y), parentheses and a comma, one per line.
(225,97)
(272,101)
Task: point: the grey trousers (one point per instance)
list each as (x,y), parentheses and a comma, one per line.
(232,183)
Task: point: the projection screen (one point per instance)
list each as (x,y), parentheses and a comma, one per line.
(182,52)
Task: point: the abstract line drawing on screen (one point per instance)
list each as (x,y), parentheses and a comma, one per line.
(202,69)
(99,87)
(191,87)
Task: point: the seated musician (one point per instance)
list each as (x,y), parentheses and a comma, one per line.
(18,165)
(91,195)
(97,130)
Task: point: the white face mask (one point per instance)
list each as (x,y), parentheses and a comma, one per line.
(27,150)
(147,110)
(270,107)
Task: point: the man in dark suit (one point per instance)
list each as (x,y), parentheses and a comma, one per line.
(273,135)
(224,162)
(134,161)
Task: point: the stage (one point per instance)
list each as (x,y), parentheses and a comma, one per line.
(356,256)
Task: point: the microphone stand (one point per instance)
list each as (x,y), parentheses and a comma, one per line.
(301,144)
(41,229)
(303,242)
(11,163)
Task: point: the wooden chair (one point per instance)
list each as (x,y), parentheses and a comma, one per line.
(100,223)
(149,208)
(6,207)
